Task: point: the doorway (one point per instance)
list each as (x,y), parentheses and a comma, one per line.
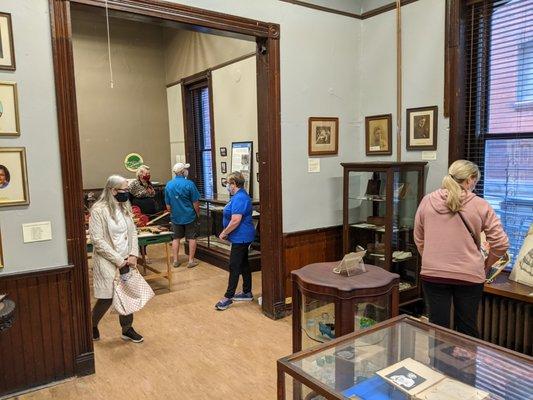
(269,137)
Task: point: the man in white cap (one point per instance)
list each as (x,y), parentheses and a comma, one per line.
(181,198)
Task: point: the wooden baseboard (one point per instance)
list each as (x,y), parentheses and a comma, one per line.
(85,364)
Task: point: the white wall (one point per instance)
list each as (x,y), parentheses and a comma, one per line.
(235,113)
(176,124)
(39,134)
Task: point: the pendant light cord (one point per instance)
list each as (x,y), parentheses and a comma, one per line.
(111,80)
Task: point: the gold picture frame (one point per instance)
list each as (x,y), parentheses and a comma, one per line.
(7,47)
(9,109)
(13,177)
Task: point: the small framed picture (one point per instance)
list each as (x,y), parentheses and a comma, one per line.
(323,136)
(13,177)
(7,49)
(223,167)
(223,182)
(223,152)
(378,135)
(422,128)
(9,113)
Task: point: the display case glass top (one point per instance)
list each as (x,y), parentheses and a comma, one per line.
(404,358)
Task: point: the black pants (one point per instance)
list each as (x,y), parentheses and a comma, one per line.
(239,265)
(466,299)
(101,307)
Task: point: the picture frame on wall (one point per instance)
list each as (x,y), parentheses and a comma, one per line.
(223,152)
(223,182)
(9,109)
(13,177)
(323,136)
(378,135)
(7,47)
(422,128)
(223,167)
(241,160)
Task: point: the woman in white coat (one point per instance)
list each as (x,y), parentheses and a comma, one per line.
(114,239)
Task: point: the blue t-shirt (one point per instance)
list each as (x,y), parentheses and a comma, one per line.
(180,194)
(240,203)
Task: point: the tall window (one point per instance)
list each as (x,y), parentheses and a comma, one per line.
(199,137)
(499,108)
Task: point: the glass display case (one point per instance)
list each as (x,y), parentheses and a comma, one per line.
(328,305)
(402,359)
(214,250)
(380,202)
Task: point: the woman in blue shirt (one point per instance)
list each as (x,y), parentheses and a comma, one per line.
(240,231)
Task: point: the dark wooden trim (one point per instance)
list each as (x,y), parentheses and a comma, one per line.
(84,364)
(311,231)
(212,127)
(211,69)
(322,8)
(504,287)
(384,9)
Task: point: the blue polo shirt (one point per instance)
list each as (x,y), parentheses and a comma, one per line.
(240,203)
(180,194)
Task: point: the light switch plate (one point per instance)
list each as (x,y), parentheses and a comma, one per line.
(37,232)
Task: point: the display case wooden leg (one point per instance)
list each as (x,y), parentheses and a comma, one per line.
(281,384)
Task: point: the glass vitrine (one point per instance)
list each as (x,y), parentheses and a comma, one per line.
(380,202)
(402,359)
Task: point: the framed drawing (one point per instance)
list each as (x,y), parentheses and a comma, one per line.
(9,112)
(323,136)
(241,160)
(378,135)
(7,49)
(223,152)
(13,177)
(422,128)
(223,167)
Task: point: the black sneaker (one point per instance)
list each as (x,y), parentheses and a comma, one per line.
(96,334)
(130,334)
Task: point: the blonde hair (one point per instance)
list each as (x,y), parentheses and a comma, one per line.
(142,169)
(107,200)
(458,173)
(236,178)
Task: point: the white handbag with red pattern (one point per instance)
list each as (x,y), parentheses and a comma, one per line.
(131,292)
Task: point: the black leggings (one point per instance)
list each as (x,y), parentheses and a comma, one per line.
(238,265)
(101,307)
(466,300)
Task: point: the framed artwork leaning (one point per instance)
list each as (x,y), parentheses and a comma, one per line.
(422,128)
(9,109)
(323,136)
(378,135)
(7,48)
(13,177)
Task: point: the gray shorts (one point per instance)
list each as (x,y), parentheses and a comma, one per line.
(188,231)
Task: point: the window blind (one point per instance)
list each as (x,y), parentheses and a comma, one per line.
(498,110)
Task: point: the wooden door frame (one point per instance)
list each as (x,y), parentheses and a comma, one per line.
(269,136)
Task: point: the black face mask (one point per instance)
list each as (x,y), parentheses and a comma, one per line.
(122,197)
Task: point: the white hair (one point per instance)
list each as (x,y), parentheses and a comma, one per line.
(142,169)
(107,198)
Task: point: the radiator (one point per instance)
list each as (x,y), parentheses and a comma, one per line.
(507,323)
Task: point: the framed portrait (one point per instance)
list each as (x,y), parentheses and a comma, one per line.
(241,160)
(223,181)
(223,152)
(378,135)
(323,136)
(9,113)
(7,49)
(13,177)
(422,128)
(223,167)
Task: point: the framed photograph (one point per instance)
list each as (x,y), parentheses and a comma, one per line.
(13,177)
(7,49)
(422,128)
(223,152)
(241,160)
(223,182)
(223,167)
(378,135)
(9,113)
(323,136)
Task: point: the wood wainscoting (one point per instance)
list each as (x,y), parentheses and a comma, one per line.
(39,347)
(307,247)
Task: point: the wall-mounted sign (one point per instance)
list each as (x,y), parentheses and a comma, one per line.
(133,161)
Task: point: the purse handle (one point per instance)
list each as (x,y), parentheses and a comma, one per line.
(470,231)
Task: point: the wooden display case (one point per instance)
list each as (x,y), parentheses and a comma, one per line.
(379,205)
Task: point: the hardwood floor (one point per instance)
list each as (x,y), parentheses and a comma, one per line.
(191,351)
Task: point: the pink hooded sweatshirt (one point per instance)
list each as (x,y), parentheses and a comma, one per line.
(448,251)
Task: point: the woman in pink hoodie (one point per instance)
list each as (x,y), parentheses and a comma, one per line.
(448,225)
